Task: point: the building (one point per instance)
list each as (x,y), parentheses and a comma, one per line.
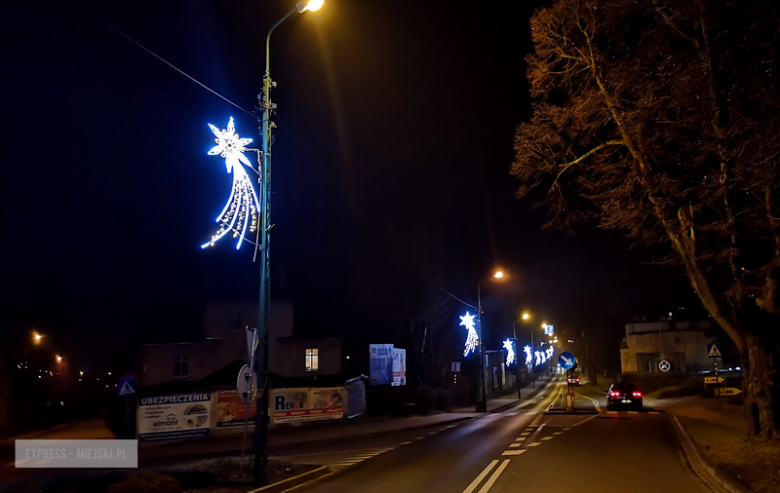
(224,345)
(683,344)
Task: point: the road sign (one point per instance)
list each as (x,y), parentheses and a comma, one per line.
(126,386)
(664,365)
(246,384)
(713,350)
(251,341)
(567,360)
(455,366)
(729,391)
(714,380)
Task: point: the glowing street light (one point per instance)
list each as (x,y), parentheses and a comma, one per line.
(37,338)
(59,359)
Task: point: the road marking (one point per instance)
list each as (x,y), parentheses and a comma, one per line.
(566,429)
(547,438)
(513,452)
(520,439)
(419,438)
(534,444)
(586,420)
(558,433)
(531,413)
(653,412)
(433,432)
(633,412)
(405,443)
(513,414)
(494,476)
(612,412)
(478,479)
(525,433)
(514,445)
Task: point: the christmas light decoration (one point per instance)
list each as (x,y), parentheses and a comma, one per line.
(528,356)
(538,355)
(472,339)
(510,352)
(242,206)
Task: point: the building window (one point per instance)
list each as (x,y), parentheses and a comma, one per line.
(651,367)
(312,359)
(181,365)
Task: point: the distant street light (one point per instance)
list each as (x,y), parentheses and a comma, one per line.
(59,359)
(37,338)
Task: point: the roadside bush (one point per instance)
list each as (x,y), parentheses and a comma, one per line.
(155,483)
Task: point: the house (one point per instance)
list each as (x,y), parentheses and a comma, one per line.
(224,344)
(683,344)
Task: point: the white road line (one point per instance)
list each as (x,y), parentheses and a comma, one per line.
(547,438)
(433,432)
(632,412)
(534,444)
(418,438)
(558,433)
(612,412)
(494,476)
(566,429)
(513,452)
(531,413)
(405,443)
(512,414)
(478,479)
(586,420)
(514,445)
(520,439)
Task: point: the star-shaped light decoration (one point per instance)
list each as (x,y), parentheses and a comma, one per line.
(528,356)
(538,355)
(550,352)
(472,339)
(510,351)
(242,206)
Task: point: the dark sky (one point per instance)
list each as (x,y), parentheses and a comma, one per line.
(391,165)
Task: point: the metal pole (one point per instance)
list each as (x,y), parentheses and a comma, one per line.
(264,237)
(481,406)
(517,363)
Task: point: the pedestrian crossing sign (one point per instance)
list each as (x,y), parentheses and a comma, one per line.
(713,350)
(126,386)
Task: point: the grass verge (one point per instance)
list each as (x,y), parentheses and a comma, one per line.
(754,464)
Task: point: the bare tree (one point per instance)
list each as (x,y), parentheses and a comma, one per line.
(660,119)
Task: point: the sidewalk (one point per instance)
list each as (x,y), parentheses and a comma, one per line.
(289,436)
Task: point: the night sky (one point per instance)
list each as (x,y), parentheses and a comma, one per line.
(390,172)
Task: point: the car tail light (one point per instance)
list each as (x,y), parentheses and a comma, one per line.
(615,394)
(637,394)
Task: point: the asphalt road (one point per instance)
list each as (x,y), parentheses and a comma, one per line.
(521,449)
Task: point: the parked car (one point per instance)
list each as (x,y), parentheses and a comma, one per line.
(624,395)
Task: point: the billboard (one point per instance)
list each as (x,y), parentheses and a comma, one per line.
(231,411)
(399,367)
(174,416)
(548,329)
(381,364)
(307,404)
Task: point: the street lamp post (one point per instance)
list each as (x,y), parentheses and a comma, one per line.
(481,406)
(264,243)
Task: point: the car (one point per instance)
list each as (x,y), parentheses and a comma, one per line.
(624,395)
(573,380)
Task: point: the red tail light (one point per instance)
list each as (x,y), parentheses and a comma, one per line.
(637,394)
(615,394)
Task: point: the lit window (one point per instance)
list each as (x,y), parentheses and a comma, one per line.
(181,365)
(312,359)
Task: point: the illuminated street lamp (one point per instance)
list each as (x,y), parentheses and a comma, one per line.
(59,359)
(37,338)
(481,406)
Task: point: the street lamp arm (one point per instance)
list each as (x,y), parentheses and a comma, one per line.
(268,39)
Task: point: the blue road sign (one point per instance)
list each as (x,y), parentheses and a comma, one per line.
(714,350)
(126,386)
(567,360)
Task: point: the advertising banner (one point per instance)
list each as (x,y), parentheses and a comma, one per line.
(356,397)
(231,411)
(381,364)
(174,416)
(307,404)
(399,367)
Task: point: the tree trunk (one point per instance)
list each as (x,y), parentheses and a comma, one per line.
(761,388)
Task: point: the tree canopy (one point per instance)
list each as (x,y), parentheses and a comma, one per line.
(660,119)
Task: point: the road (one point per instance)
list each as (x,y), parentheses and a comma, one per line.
(517,450)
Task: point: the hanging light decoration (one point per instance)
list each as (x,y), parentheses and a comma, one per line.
(472,339)
(510,351)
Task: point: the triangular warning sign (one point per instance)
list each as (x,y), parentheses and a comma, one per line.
(126,389)
(714,352)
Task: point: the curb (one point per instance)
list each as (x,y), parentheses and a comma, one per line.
(709,475)
(292,482)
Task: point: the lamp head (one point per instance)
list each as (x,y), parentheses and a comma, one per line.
(310,5)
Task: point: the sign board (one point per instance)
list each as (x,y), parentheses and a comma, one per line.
(381,364)
(713,380)
(232,411)
(356,397)
(126,386)
(246,384)
(664,365)
(399,367)
(567,360)
(251,341)
(729,391)
(174,416)
(548,329)
(307,404)
(455,366)
(714,350)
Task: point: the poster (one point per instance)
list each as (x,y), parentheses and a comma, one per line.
(307,404)
(381,364)
(174,416)
(231,411)
(399,367)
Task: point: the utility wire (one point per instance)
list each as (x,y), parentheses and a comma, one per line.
(467,304)
(204,86)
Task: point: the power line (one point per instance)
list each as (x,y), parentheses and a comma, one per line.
(204,86)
